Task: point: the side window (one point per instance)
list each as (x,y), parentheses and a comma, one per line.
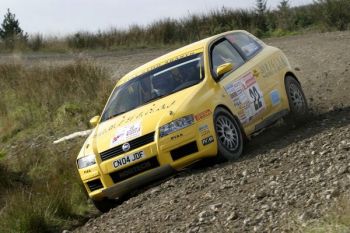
(248,46)
(224,52)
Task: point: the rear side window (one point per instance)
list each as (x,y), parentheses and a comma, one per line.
(246,44)
(224,52)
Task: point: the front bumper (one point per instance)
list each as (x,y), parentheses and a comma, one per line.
(163,157)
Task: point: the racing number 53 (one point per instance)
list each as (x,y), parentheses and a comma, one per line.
(253,92)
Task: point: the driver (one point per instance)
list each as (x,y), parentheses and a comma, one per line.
(177,77)
(146,90)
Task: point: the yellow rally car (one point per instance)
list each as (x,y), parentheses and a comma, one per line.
(199,101)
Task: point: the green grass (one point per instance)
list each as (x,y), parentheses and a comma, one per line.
(336,221)
(48,196)
(40,188)
(58,95)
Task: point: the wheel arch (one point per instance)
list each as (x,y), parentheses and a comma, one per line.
(290,73)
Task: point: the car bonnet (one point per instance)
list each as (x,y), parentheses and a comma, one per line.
(138,122)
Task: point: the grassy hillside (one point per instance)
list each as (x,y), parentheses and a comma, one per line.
(40,190)
(322,15)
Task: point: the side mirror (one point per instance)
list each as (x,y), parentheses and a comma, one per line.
(94,121)
(223,69)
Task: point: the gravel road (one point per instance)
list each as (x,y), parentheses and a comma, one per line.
(285,176)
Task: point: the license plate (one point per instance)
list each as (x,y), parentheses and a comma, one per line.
(128,159)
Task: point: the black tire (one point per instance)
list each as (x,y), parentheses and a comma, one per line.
(296,99)
(228,135)
(105,205)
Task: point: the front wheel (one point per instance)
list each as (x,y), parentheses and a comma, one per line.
(228,135)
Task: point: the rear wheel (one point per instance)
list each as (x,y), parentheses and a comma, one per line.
(296,98)
(228,135)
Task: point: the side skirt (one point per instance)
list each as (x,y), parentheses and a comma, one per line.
(270,120)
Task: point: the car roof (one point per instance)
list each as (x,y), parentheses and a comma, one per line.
(193,47)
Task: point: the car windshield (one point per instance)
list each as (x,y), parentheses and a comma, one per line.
(155,84)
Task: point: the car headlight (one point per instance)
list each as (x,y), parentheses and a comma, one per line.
(176,125)
(86,161)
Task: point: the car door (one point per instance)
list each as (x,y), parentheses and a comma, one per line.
(242,84)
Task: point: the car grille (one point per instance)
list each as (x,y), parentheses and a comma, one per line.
(134,170)
(94,185)
(184,150)
(138,142)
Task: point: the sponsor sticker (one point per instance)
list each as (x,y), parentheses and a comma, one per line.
(204,130)
(250,48)
(208,140)
(247,96)
(133,131)
(176,136)
(128,159)
(275,97)
(126,133)
(272,66)
(202,115)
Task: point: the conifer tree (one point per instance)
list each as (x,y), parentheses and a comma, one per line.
(10,31)
(261,10)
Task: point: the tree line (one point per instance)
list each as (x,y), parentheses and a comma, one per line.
(321,15)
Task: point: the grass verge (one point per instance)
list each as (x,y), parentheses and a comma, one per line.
(40,187)
(336,221)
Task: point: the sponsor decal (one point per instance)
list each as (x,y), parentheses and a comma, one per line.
(153,109)
(117,138)
(250,48)
(247,96)
(127,119)
(204,130)
(128,159)
(176,136)
(272,66)
(202,115)
(126,133)
(133,131)
(275,97)
(208,140)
